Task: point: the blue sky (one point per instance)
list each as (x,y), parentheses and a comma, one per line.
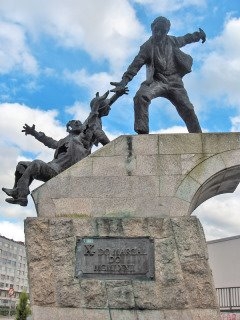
(55,55)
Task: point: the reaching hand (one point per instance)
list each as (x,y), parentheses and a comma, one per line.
(120,90)
(95,103)
(119,87)
(202,35)
(29,130)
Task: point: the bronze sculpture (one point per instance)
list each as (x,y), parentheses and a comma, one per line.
(166,65)
(69,150)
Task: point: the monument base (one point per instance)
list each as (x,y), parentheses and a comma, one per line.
(113,279)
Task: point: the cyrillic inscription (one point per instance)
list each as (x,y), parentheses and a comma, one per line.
(115,258)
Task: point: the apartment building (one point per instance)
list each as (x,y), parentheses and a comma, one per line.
(13,271)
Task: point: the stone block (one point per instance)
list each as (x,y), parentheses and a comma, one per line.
(207,168)
(70,314)
(45,313)
(59,186)
(120,295)
(97,314)
(151,315)
(83,168)
(169,184)
(180,143)
(107,227)
(63,251)
(179,315)
(175,297)
(105,166)
(148,295)
(94,294)
(134,227)
(202,291)
(44,204)
(220,142)
(146,165)
(68,296)
(60,229)
(83,227)
(136,145)
(167,267)
(145,144)
(170,164)
(203,314)
(187,189)
(46,209)
(151,206)
(73,206)
(37,238)
(190,238)
(40,271)
(178,207)
(231,158)
(191,160)
(123,314)
(41,276)
(159,228)
(105,151)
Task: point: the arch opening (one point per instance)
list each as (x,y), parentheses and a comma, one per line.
(225,181)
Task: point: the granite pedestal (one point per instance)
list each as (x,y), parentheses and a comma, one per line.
(137,187)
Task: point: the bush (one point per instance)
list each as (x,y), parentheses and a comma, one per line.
(23,309)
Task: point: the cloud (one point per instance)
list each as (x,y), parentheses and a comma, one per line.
(105,29)
(16,115)
(15,146)
(219,73)
(220,215)
(82,78)
(14,51)
(235,124)
(11,230)
(79,111)
(174,129)
(168,6)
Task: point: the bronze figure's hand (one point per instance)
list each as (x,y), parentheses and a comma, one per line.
(28,130)
(202,35)
(95,103)
(119,87)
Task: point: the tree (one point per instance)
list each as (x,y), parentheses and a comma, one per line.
(23,309)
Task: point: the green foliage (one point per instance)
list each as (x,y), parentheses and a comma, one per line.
(23,309)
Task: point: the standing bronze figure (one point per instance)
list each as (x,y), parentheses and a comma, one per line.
(166,65)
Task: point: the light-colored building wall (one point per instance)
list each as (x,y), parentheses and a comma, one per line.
(224,260)
(13,270)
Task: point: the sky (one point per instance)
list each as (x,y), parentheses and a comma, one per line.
(55,55)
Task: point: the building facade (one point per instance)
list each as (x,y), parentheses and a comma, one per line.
(13,271)
(224,260)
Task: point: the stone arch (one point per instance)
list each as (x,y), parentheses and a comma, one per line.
(216,175)
(225,181)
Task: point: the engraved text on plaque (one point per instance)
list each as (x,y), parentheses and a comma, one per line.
(115,258)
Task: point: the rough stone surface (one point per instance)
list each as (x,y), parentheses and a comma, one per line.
(144,175)
(136,186)
(182,275)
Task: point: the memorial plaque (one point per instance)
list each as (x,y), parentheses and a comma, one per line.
(115,258)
